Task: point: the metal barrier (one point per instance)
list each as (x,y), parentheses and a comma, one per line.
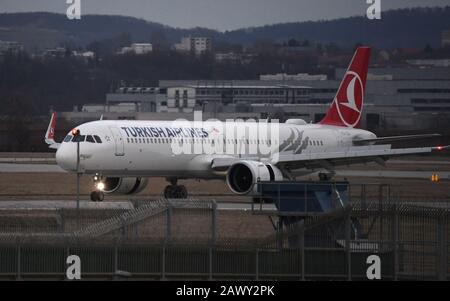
(412,241)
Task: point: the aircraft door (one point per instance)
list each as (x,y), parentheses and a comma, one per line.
(118,140)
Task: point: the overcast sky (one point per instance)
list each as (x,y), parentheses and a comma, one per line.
(217,14)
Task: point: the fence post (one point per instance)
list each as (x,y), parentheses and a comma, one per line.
(116,258)
(347,245)
(214,221)
(302,246)
(18,276)
(210,263)
(380,209)
(442,244)
(395,241)
(169,222)
(280,233)
(306,198)
(163,261)
(257,264)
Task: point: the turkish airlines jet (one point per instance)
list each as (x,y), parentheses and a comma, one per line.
(122,154)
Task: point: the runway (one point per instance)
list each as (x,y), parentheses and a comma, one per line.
(52,168)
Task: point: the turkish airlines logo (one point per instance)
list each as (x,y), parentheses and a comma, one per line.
(349,100)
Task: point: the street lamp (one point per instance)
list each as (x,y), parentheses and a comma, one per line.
(76,134)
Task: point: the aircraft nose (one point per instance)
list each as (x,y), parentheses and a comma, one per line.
(66,158)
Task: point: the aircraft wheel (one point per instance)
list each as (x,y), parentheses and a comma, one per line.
(169,191)
(97,196)
(94,196)
(181,192)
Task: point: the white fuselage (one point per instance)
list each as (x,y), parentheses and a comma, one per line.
(150,149)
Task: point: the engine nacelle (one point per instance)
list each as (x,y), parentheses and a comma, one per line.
(113,185)
(243,175)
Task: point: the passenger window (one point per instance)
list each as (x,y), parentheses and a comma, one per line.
(90,139)
(68,138)
(97,139)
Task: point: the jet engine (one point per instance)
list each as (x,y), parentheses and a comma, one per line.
(112,185)
(243,175)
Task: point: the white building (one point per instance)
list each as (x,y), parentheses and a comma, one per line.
(101,108)
(13,47)
(430,62)
(137,48)
(299,76)
(445,41)
(197,45)
(180,99)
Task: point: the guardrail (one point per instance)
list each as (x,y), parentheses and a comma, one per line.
(17,158)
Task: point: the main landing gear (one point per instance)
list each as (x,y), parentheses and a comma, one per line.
(174,191)
(326,176)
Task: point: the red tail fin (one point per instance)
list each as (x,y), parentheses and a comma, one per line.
(50,134)
(347,105)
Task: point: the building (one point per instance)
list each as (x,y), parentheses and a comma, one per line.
(147,99)
(395,99)
(196,45)
(57,52)
(180,99)
(430,62)
(445,42)
(299,76)
(228,57)
(10,47)
(235,58)
(137,48)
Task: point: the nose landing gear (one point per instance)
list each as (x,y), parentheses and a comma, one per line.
(174,191)
(98,195)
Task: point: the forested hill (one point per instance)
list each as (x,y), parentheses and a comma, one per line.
(398,28)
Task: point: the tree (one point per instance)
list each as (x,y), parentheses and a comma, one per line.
(293,43)
(159,40)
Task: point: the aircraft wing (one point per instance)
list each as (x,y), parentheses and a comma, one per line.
(330,158)
(352,155)
(394,138)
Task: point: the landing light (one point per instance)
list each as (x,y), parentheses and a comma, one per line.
(101,186)
(439,147)
(75,132)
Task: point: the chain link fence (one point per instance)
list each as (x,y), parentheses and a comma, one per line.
(192,239)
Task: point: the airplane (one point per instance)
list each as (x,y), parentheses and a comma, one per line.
(123,154)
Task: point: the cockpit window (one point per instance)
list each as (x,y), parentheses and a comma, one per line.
(97,138)
(68,138)
(79,138)
(90,139)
